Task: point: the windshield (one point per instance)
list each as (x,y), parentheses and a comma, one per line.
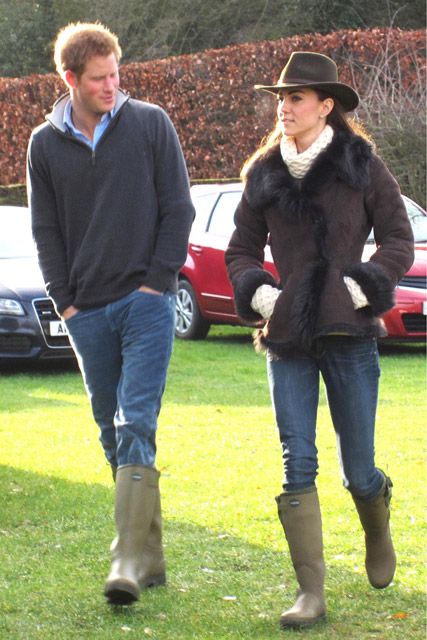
(15,233)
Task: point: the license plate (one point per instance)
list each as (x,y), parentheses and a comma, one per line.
(57,328)
(425,307)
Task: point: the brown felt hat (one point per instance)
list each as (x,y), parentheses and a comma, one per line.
(316,71)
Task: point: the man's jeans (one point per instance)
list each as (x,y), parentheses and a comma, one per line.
(123,351)
(350,370)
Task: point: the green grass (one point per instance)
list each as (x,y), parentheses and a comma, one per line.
(229,574)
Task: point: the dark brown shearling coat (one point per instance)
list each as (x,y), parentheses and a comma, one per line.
(318,227)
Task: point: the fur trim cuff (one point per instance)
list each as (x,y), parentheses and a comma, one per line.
(244,289)
(375,284)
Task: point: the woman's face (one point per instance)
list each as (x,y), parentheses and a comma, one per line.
(301,113)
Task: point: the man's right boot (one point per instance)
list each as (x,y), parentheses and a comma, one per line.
(300,516)
(137,492)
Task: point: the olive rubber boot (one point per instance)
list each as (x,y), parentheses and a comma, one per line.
(374,514)
(300,516)
(137,491)
(152,561)
(153,569)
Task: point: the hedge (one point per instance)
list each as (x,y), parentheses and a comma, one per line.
(209,96)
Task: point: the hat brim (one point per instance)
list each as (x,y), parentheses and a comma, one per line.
(347,96)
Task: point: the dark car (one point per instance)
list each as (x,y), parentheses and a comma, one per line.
(205,295)
(30,329)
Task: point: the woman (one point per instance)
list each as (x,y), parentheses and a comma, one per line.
(314,191)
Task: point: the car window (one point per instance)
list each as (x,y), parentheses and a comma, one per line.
(203,204)
(222,219)
(417,218)
(15,233)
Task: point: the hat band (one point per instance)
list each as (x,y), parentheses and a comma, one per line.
(304,81)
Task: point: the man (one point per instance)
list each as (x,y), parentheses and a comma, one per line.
(111,214)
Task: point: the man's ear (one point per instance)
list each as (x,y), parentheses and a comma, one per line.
(70,78)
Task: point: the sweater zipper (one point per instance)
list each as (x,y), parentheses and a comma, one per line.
(76,140)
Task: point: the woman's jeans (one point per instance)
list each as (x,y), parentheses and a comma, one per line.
(350,370)
(123,351)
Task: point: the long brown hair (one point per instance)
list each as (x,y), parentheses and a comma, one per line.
(337,119)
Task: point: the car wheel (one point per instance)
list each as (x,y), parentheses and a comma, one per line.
(190,324)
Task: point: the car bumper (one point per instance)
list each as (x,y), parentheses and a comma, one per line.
(27,337)
(407,319)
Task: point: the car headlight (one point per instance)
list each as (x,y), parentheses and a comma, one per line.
(11,307)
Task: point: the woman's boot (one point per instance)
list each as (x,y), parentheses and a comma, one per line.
(300,516)
(374,514)
(137,491)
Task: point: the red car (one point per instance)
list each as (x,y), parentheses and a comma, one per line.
(205,295)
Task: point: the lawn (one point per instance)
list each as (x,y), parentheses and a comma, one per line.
(229,574)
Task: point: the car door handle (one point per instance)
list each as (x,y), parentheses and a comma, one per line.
(196,248)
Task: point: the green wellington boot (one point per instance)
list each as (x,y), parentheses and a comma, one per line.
(380,559)
(153,565)
(137,494)
(300,516)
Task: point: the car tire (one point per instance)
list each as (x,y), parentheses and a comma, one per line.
(190,324)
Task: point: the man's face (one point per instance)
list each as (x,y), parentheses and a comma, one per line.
(95,91)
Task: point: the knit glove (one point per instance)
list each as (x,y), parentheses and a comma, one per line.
(357,295)
(264,299)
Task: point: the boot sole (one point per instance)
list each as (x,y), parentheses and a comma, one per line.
(121,593)
(295,624)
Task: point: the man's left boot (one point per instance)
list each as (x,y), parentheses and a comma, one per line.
(137,488)
(374,514)
(153,567)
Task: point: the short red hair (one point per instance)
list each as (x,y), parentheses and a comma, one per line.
(79,42)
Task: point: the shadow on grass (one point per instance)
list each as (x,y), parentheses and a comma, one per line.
(401,348)
(54,558)
(218,335)
(33,386)
(230,335)
(236,335)
(39,367)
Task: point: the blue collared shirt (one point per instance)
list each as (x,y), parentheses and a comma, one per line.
(99,129)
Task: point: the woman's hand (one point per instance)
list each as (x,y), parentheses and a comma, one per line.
(356,293)
(264,299)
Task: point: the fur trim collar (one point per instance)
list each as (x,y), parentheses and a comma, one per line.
(346,158)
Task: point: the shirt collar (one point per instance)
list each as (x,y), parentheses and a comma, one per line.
(68,120)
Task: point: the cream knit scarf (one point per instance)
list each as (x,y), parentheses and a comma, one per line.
(299,163)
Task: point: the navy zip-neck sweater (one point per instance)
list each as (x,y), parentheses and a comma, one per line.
(109,220)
